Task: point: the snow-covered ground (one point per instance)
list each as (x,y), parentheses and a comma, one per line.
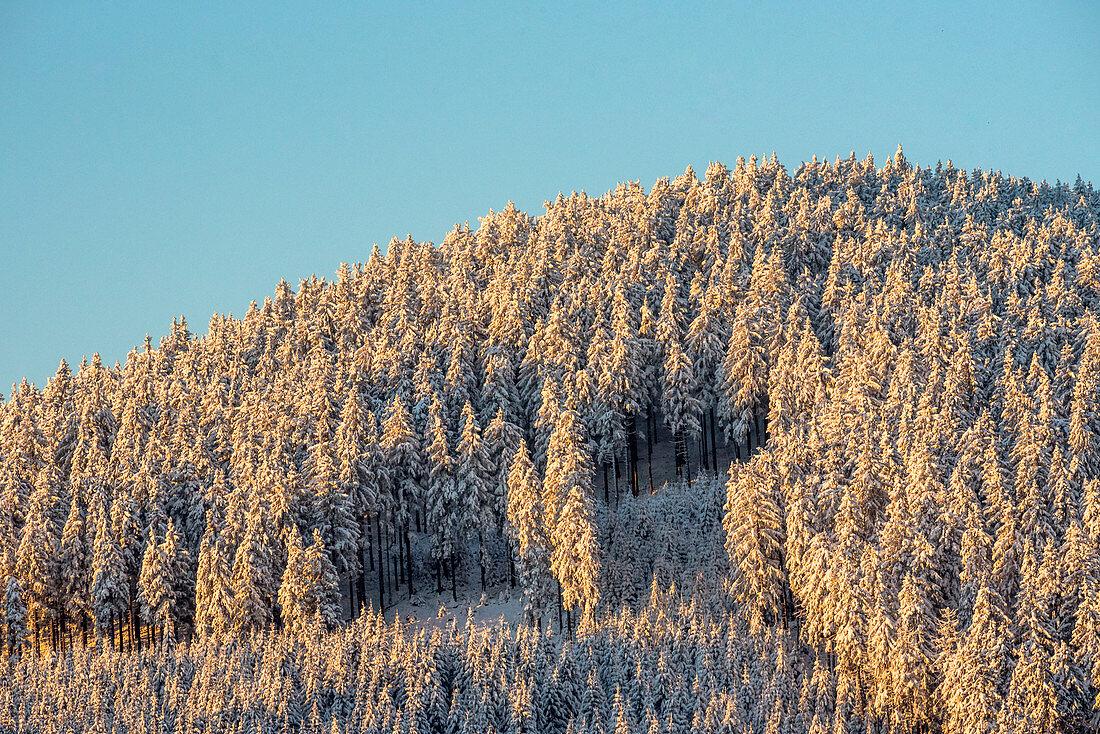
(501,602)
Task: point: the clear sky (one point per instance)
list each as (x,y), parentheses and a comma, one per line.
(168,158)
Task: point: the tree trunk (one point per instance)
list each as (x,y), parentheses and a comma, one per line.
(364,555)
(704,459)
(454,583)
(409,558)
(481,559)
(632,431)
(396,559)
(559,607)
(616,465)
(687,462)
(759,428)
(372,540)
(713,441)
(649,449)
(381,566)
(135,627)
(676,453)
(361,582)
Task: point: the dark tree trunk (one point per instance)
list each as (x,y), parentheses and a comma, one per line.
(759,428)
(680,446)
(616,465)
(364,555)
(381,566)
(481,559)
(409,558)
(135,624)
(713,441)
(397,559)
(559,608)
(649,448)
(632,432)
(704,459)
(454,583)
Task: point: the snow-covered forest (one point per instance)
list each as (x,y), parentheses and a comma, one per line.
(761,451)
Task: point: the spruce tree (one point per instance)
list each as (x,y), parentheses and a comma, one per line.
(529,531)
(473,483)
(15,617)
(755,540)
(109,584)
(251,581)
(568,503)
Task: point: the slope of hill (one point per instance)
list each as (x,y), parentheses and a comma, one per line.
(892,370)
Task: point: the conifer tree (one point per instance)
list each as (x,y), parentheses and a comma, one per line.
(400,445)
(36,559)
(164,585)
(308,590)
(332,511)
(682,409)
(501,439)
(251,578)
(705,345)
(357,473)
(742,378)
(213,592)
(568,504)
(527,526)
(973,665)
(75,563)
(15,617)
(108,588)
(473,483)
(444,501)
(755,540)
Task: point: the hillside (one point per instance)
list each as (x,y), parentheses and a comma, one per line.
(872,392)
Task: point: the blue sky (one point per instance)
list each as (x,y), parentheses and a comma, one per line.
(159,159)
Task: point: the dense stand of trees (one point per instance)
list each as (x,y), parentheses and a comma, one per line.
(903,359)
(672,663)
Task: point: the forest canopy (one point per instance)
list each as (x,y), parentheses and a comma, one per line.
(890,374)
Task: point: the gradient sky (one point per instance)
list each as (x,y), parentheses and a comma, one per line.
(159,159)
